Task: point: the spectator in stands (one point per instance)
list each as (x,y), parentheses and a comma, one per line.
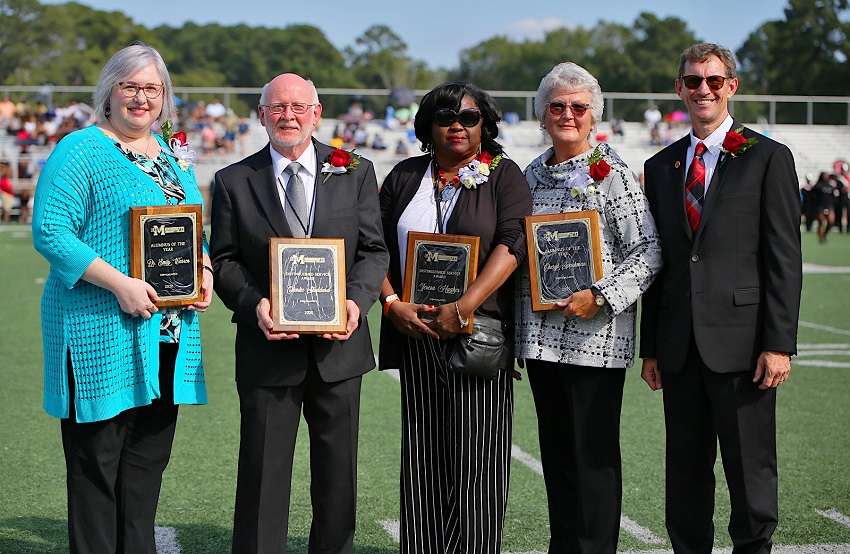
(215,109)
(7,193)
(575,377)
(7,112)
(401,148)
(115,367)
(617,129)
(652,119)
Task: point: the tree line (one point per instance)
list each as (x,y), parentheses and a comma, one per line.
(806,53)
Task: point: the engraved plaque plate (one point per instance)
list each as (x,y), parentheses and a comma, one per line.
(439,268)
(308,285)
(166,251)
(564,256)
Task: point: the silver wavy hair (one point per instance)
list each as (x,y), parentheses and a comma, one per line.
(126,62)
(574,78)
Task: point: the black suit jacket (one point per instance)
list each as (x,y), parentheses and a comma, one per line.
(735,283)
(246,213)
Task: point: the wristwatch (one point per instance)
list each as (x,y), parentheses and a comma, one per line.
(387,301)
(597,296)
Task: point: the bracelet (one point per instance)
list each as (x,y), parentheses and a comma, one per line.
(208,268)
(463,323)
(387,302)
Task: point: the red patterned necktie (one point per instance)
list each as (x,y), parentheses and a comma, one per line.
(695,187)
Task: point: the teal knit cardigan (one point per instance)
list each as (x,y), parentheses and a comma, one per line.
(82,212)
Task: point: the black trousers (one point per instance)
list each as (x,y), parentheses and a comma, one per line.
(269,424)
(700,408)
(114,471)
(578,420)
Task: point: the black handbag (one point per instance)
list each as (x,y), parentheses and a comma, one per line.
(479,354)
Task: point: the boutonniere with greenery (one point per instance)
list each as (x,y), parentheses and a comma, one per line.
(179,145)
(478,170)
(582,180)
(339,161)
(735,144)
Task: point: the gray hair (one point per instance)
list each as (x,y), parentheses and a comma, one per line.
(315,99)
(574,78)
(126,62)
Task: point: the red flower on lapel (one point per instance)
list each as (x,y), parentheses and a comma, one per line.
(339,161)
(735,144)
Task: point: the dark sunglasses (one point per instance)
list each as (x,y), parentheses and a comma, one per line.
(445,117)
(693,82)
(558,108)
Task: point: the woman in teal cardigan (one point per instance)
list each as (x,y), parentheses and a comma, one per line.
(115,366)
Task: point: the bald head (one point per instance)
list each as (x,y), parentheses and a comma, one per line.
(289,80)
(290,132)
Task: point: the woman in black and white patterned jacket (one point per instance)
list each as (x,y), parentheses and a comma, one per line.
(578,353)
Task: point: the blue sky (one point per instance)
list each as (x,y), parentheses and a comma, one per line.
(437,30)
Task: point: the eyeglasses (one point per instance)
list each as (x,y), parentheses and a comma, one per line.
(714,82)
(297,108)
(445,117)
(558,108)
(130,90)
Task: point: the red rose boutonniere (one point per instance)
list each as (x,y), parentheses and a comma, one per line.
(735,144)
(339,161)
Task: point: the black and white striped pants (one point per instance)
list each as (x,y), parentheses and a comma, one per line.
(455,456)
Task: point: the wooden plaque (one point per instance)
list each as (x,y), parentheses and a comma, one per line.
(166,251)
(308,285)
(564,256)
(439,268)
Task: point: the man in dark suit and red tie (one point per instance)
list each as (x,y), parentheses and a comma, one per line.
(719,324)
(296,187)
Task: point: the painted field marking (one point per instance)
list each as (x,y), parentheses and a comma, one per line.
(392,528)
(795,549)
(816,268)
(526,459)
(639,532)
(821,363)
(836,516)
(820,327)
(816,346)
(166,540)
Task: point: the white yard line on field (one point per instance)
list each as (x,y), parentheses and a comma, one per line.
(836,516)
(391,527)
(820,363)
(795,549)
(820,327)
(816,268)
(639,532)
(166,540)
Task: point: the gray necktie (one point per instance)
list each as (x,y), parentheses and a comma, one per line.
(295,207)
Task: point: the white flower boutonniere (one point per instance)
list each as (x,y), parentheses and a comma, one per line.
(179,146)
(582,180)
(478,170)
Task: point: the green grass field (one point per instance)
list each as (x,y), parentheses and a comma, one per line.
(198,492)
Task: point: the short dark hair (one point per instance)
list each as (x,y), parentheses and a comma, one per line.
(703,51)
(450,95)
